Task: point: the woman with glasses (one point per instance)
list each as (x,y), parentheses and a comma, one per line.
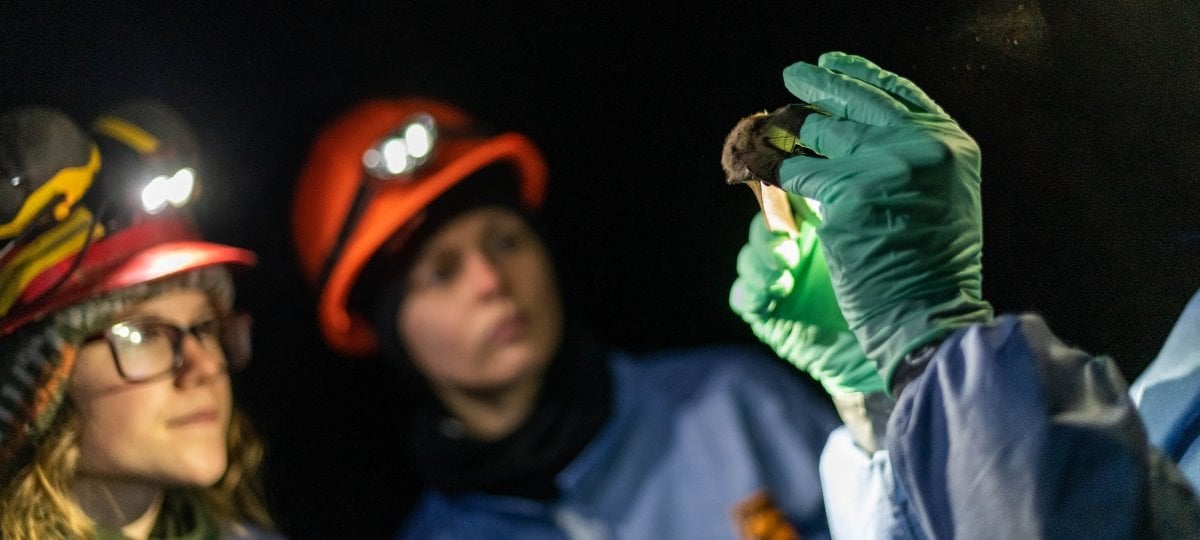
(117,338)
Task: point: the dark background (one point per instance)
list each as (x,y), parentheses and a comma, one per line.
(1086,111)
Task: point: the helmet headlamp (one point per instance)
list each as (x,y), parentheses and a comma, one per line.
(360,189)
(149,156)
(174,190)
(402,151)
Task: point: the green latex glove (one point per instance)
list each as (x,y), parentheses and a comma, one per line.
(784,293)
(900,193)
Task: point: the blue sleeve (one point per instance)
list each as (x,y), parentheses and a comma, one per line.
(861,497)
(1167,393)
(1009,432)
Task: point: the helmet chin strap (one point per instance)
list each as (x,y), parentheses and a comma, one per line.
(361,199)
(33,228)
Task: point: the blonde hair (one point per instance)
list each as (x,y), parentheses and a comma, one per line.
(37,503)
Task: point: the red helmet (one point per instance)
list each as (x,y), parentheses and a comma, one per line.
(56,259)
(152,249)
(371,172)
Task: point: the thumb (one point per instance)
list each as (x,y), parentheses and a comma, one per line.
(823,179)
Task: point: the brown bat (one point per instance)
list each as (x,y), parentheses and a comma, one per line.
(756,147)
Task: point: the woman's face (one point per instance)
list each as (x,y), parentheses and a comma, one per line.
(169,430)
(483,311)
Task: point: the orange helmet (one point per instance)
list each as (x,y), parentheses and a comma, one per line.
(368,175)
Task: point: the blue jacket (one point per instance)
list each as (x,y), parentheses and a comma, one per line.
(1009,433)
(694,434)
(1167,394)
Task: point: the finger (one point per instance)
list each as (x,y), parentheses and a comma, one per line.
(759,259)
(842,95)
(753,265)
(751,293)
(867,71)
(749,301)
(819,179)
(779,253)
(762,274)
(805,211)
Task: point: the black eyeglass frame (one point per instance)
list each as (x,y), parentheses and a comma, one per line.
(233,336)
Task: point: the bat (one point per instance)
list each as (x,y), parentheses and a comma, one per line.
(756,147)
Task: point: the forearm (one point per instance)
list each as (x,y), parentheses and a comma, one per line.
(1008,427)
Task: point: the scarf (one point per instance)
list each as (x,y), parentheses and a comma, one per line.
(182,518)
(573,404)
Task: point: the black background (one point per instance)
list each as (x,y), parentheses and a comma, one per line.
(1086,111)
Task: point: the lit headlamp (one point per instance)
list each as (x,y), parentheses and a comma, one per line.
(392,159)
(175,190)
(148,156)
(402,151)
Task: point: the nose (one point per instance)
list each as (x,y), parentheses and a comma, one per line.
(484,275)
(201,362)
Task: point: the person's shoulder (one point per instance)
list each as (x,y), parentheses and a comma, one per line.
(720,357)
(730,376)
(726,364)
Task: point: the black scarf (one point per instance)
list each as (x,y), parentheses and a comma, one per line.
(574,403)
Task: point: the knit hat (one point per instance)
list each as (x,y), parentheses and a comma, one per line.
(36,362)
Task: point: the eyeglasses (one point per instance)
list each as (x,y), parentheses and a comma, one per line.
(146,348)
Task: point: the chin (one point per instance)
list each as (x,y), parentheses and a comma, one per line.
(525,359)
(199,471)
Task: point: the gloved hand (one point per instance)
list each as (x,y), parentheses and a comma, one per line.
(784,293)
(900,193)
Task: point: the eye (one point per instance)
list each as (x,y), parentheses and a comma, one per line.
(435,272)
(442,273)
(208,332)
(207,329)
(142,333)
(505,241)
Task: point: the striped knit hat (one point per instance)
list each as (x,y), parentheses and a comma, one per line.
(36,362)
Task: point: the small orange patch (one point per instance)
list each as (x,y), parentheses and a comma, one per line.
(47,392)
(43,397)
(759,518)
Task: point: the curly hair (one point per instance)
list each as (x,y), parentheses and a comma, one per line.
(37,503)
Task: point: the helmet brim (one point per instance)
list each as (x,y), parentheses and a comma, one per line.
(136,255)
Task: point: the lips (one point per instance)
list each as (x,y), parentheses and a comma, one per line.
(508,329)
(195,418)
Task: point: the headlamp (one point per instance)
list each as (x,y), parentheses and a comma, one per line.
(149,154)
(403,150)
(175,190)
